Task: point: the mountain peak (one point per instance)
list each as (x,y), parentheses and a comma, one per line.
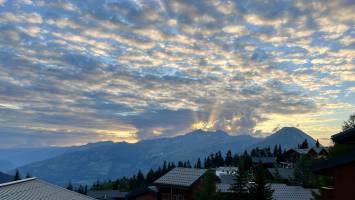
(203,132)
(287,137)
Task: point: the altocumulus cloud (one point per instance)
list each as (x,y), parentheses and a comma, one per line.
(80,71)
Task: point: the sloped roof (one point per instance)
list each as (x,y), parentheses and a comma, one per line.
(184,177)
(325,166)
(35,189)
(142,191)
(286,192)
(263,159)
(285,173)
(347,136)
(108,194)
(227,179)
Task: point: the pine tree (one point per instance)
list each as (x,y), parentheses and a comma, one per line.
(304,144)
(239,187)
(150,177)
(70,186)
(350,123)
(208,189)
(28,175)
(198,164)
(17,175)
(140,178)
(229,159)
(261,190)
(275,151)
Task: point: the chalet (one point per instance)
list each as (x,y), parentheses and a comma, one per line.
(293,155)
(226,171)
(287,192)
(280,173)
(180,183)
(35,189)
(107,194)
(341,168)
(143,193)
(265,161)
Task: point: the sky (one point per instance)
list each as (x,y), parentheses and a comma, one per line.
(73,72)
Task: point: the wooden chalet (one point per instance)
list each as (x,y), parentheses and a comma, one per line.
(341,168)
(180,183)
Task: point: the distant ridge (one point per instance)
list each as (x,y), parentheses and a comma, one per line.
(287,137)
(4,178)
(114,160)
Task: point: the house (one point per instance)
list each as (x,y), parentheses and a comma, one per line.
(293,155)
(226,171)
(225,182)
(281,191)
(287,192)
(143,193)
(341,168)
(107,194)
(36,189)
(5,178)
(180,183)
(280,173)
(265,161)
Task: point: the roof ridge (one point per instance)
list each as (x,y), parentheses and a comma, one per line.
(18,181)
(65,189)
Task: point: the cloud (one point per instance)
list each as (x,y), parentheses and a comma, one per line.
(131,70)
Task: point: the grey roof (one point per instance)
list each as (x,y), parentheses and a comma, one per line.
(35,189)
(285,173)
(227,179)
(223,188)
(347,136)
(106,194)
(184,177)
(263,159)
(324,166)
(285,192)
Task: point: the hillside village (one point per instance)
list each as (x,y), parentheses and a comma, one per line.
(308,171)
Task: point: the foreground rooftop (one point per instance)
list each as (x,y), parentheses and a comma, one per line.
(35,189)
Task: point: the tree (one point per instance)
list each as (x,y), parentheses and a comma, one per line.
(317,144)
(140,178)
(208,189)
(28,175)
(350,123)
(239,187)
(70,186)
(304,144)
(260,189)
(198,164)
(303,174)
(229,159)
(17,175)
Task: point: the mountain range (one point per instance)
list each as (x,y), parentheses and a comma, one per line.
(112,160)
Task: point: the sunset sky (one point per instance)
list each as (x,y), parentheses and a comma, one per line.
(73,72)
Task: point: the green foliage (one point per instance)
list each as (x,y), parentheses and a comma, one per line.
(28,175)
(303,174)
(229,159)
(260,190)
(70,186)
(17,175)
(208,188)
(239,187)
(350,123)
